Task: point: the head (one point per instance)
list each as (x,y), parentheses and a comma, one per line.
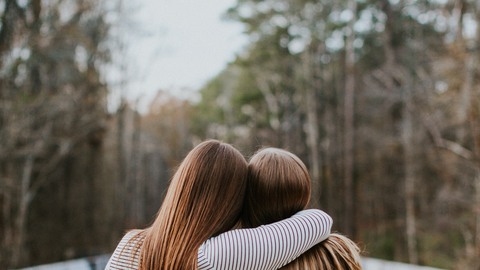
(278,187)
(337,252)
(204,199)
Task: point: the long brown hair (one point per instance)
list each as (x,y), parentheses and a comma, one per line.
(204,199)
(278,187)
(337,252)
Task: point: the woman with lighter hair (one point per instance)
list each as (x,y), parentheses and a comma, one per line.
(279,186)
(337,252)
(204,200)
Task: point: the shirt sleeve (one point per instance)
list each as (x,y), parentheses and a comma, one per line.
(266,247)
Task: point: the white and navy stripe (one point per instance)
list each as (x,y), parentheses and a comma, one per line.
(123,257)
(266,247)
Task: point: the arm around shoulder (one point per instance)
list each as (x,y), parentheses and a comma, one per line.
(320,219)
(266,247)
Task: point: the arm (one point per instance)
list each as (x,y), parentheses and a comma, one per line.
(266,247)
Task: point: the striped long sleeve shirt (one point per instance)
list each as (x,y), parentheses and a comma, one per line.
(266,247)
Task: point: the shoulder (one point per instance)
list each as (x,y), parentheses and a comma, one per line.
(127,253)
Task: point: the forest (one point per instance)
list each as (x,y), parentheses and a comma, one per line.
(380,99)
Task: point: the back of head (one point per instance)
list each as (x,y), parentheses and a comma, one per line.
(337,252)
(204,199)
(278,187)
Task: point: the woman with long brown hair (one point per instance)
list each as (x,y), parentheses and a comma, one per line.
(279,186)
(205,199)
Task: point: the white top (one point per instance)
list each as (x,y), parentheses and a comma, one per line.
(266,247)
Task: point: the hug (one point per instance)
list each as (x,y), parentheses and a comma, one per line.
(221,212)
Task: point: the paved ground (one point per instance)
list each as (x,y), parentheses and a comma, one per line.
(99,263)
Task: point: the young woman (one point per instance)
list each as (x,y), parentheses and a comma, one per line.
(279,186)
(204,199)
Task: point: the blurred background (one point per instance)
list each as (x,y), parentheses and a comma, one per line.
(101,100)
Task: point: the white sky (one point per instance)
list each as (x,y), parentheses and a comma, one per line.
(179,43)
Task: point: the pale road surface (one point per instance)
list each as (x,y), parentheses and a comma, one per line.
(99,263)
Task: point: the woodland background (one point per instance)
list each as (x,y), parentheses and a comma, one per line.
(379,98)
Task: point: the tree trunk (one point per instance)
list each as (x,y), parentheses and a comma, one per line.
(6,242)
(21,221)
(477,212)
(138,211)
(474,117)
(409,163)
(271,101)
(349,128)
(312,132)
(467,87)
(475,127)
(122,170)
(466,94)
(458,12)
(330,121)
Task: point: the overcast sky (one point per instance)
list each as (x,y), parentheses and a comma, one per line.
(179,43)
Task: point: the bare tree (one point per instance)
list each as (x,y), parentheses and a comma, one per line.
(313,138)
(349,123)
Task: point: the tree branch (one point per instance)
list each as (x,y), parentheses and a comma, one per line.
(440,142)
